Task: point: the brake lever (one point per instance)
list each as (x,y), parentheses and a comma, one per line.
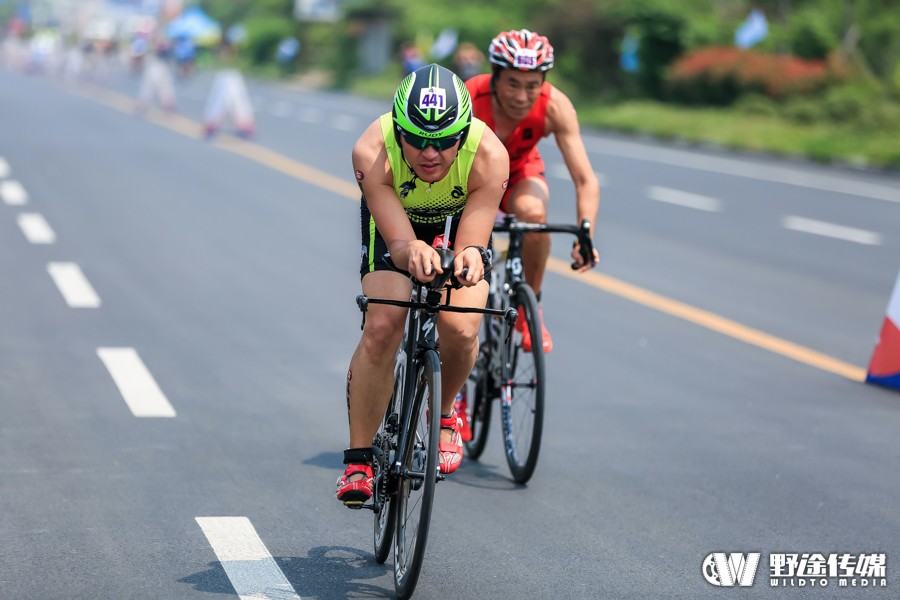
(585,245)
(363,303)
(455,282)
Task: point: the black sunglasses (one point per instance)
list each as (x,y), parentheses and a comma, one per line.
(420,143)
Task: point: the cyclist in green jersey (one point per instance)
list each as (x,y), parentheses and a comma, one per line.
(425,160)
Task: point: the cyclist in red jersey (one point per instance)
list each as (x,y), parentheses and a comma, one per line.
(516,102)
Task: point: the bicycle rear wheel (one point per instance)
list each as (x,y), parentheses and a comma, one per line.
(415,493)
(385,446)
(522,391)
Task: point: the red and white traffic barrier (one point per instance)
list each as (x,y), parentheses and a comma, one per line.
(884,369)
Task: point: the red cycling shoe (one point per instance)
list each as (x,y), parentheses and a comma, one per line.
(355,493)
(451,453)
(522,327)
(461,408)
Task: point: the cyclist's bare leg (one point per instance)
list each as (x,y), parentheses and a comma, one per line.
(459,344)
(528,202)
(370,379)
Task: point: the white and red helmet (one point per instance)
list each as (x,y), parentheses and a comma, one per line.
(522,50)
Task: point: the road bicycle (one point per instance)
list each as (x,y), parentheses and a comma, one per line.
(505,371)
(405,448)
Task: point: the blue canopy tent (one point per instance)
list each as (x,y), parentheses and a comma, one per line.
(195,25)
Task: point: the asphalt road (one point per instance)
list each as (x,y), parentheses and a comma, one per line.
(209,285)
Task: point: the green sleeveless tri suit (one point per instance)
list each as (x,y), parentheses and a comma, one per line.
(426,204)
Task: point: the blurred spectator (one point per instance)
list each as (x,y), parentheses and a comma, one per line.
(138,52)
(13,51)
(44,52)
(287,51)
(156,82)
(185,53)
(411,58)
(468,60)
(228,100)
(74,64)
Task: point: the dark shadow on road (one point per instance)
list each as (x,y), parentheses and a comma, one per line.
(327,573)
(479,475)
(326,460)
(213,580)
(330,572)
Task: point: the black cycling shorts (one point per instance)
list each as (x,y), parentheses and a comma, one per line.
(374,247)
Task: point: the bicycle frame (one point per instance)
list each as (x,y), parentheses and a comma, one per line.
(514,274)
(497,374)
(420,336)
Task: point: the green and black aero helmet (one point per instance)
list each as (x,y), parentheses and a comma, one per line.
(432,107)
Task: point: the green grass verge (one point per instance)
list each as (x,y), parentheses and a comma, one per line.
(733,129)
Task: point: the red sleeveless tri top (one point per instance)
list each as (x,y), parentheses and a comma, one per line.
(522,142)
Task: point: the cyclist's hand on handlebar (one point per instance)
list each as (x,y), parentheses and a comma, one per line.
(424,262)
(470,260)
(579,263)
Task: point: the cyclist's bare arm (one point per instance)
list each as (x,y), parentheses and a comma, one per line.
(562,121)
(373,173)
(487,181)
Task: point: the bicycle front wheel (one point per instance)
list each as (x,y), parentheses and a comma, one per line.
(415,493)
(522,391)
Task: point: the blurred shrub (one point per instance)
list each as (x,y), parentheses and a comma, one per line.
(851,102)
(809,34)
(803,111)
(263,35)
(895,81)
(707,31)
(660,28)
(880,39)
(720,75)
(757,104)
(586,48)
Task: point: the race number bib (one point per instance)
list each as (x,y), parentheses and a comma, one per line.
(526,58)
(433,97)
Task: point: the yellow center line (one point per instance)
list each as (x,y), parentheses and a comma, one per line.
(290,167)
(611,285)
(711,321)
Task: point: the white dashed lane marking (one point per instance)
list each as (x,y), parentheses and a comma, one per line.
(281,109)
(13,193)
(832,230)
(245,559)
(561,171)
(36,229)
(73,285)
(310,115)
(686,199)
(345,123)
(4,168)
(135,383)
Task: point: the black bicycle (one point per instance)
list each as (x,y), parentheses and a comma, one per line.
(504,369)
(405,449)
